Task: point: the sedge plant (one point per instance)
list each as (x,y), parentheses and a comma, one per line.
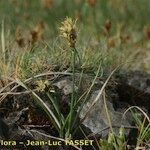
(62,123)
(66,125)
(68,31)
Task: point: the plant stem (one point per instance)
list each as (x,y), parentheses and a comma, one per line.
(76,53)
(73,101)
(73,76)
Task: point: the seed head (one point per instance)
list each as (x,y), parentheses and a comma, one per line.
(68,31)
(92,3)
(41,85)
(19,38)
(146,32)
(47,4)
(36,34)
(108,25)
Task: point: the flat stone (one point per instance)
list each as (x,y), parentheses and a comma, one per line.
(65,85)
(97,119)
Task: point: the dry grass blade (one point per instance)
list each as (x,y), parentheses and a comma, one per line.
(107,128)
(5,87)
(98,96)
(52,137)
(107,113)
(27,81)
(17,93)
(43,105)
(88,137)
(3,41)
(55,74)
(139,110)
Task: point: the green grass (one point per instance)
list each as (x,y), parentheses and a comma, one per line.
(91,44)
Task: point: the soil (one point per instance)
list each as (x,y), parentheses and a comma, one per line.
(20,114)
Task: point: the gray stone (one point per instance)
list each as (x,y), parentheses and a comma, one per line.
(97,119)
(65,85)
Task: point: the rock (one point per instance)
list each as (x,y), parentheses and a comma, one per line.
(137,79)
(17,117)
(97,119)
(65,85)
(134,88)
